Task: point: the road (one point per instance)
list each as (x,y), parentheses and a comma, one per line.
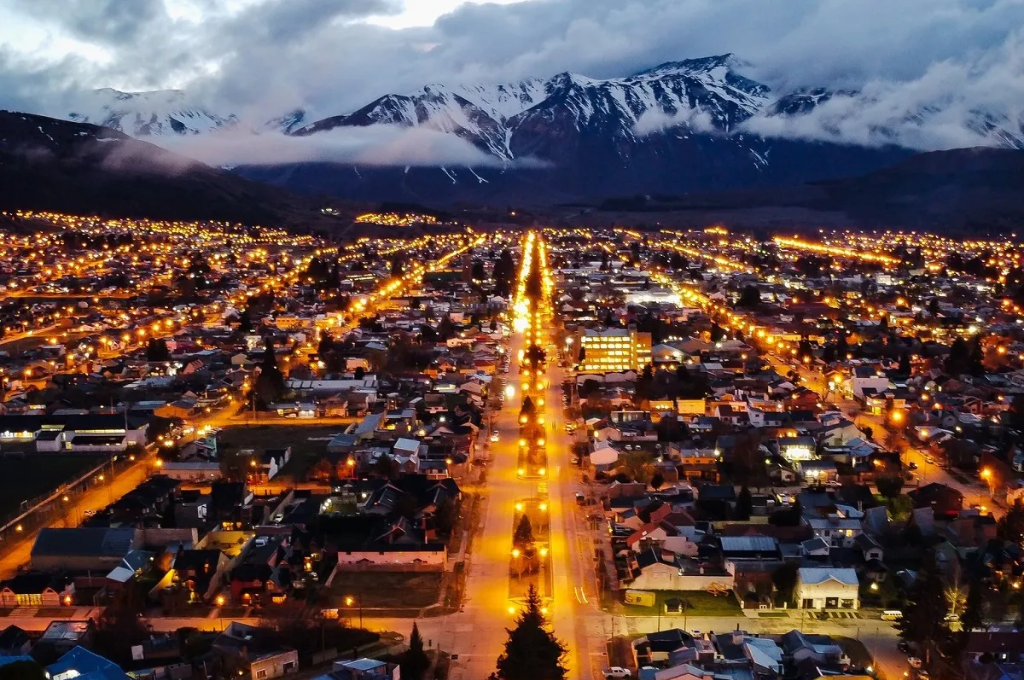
(96,498)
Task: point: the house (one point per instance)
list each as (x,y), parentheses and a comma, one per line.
(827,588)
(64,635)
(945,502)
(837,531)
(78,663)
(252,650)
(673,646)
(657,569)
(362,669)
(797,449)
(37,589)
(98,549)
(14,642)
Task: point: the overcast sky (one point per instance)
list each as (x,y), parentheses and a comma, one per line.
(264,57)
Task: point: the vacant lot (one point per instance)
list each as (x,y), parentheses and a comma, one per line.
(308,443)
(698,603)
(36,474)
(385,589)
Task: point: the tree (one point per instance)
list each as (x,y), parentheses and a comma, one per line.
(22,670)
(359,373)
(923,621)
(905,364)
(750,297)
(972,616)
(637,465)
(889,486)
(532,652)
(657,481)
(157,350)
(744,504)
(717,332)
(1011,525)
(270,382)
(384,466)
(414,661)
(784,579)
(523,536)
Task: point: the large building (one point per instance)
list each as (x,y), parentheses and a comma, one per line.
(613,350)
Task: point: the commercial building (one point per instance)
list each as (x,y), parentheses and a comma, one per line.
(613,350)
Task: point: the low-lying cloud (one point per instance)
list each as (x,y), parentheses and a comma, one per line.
(653,121)
(377,145)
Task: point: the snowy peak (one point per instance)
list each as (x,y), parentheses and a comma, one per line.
(155,113)
(716,64)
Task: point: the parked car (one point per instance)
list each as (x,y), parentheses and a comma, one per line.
(914,661)
(903,646)
(912,465)
(494,437)
(617,672)
(580,498)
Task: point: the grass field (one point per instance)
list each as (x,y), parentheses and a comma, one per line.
(698,603)
(308,443)
(383,589)
(35,474)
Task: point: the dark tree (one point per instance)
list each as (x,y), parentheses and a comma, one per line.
(923,621)
(359,373)
(657,481)
(523,535)
(717,333)
(750,297)
(744,504)
(157,350)
(889,486)
(414,662)
(1011,525)
(532,652)
(245,321)
(23,670)
(904,368)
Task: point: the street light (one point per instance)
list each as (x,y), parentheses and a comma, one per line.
(350,600)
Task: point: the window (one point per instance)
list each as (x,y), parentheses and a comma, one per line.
(261,673)
(847,604)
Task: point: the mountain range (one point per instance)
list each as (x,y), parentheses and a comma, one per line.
(685,126)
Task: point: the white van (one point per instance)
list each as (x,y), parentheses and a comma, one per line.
(892,615)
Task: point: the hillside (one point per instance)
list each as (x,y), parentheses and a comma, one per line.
(50,164)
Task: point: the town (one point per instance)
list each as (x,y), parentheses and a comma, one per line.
(238,452)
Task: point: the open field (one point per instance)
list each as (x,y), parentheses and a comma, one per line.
(698,603)
(308,443)
(384,589)
(26,477)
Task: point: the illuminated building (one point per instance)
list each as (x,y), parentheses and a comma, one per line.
(614,350)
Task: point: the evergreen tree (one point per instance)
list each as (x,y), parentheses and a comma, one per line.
(1011,525)
(972,616)
(414,662)
(744,504)
(750,297)
(523,536)
(532,652)
(905,364)
(923,621)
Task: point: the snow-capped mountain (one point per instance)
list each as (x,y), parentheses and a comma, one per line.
(513,120)
(148,114)
(679,127)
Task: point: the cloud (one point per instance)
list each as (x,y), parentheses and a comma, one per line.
(953,104)
(378,145)
(652,121)
(260,58)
